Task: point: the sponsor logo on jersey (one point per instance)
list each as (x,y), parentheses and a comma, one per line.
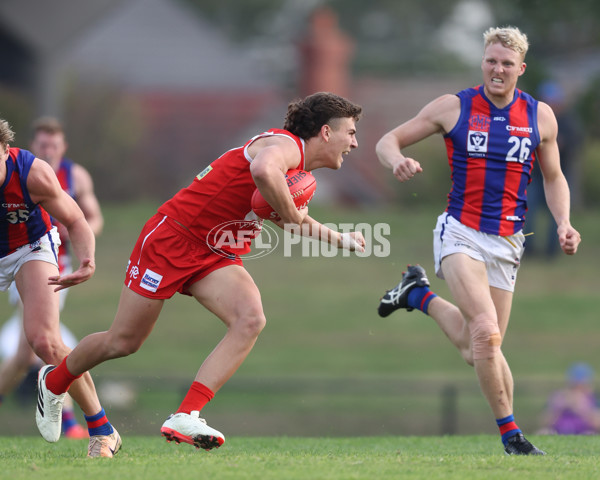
(519,131)
(150,280)
(13,205)
(204,172)
(499,119)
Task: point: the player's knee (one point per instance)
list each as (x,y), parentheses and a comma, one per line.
(251,324)
(40,346)
(116,344)
(50,350)
(123,346)
(486,339)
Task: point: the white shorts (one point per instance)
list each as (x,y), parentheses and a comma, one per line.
(45,250)
(501,255)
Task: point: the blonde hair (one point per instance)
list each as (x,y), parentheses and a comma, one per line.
(6,134)
(509,37)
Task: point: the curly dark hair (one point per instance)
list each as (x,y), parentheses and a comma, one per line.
(305,117)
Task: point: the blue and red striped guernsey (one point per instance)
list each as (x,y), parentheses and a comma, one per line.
(491,152)
(21,221)
(65,176)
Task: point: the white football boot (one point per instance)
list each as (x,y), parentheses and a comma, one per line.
(48,414)
(190,428)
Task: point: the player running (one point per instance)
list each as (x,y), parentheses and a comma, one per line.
(175,253)
(493,134)
(29,193)
(49,143)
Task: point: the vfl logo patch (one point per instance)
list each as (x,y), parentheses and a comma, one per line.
(477,142)
(150,280)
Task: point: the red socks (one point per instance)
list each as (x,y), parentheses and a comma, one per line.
(60,379)
(197,397)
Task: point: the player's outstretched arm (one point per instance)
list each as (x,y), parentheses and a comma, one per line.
(45,189)
(438,116)
(353,241)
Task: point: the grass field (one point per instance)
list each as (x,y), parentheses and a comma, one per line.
(326,363)
(277,458)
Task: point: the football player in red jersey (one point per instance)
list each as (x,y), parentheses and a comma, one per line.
(49,144)
(29,194)
(493,134)
(175,253)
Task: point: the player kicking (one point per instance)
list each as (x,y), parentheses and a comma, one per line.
(175,253)
(493,135)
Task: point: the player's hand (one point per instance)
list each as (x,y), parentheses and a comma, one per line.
(353,241)
(569,239)
(406,168)
(84,272)
(303,211)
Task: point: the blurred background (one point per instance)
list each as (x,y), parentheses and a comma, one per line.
(152,91)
